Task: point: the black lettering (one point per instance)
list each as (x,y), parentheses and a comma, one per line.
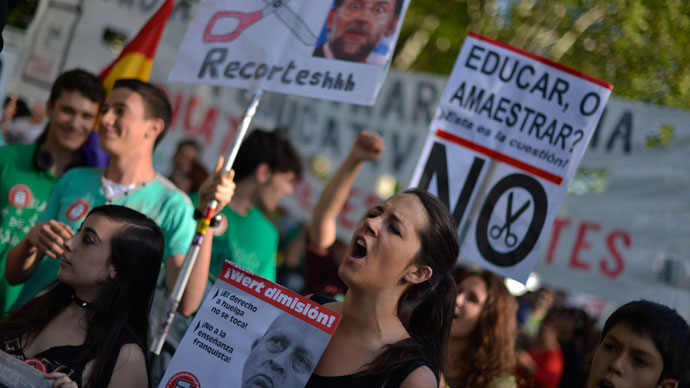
(401,154)
(472,100)
(284,78)
(500,108)
(260,71)
(561,86)
(488,106)
(301,76)
(490,55)
(426,96)
(459,94)
(349,84)
(214,57)
(274,69)
(541,85)
(519,77)
(230,69)
(327,81)
(395,101)
(563,135)
(436,165)
(589,111)
(524,121)
(473,56)
(595,136)
(539,120)
(501,74)
(513,114)
(623,132)
(244,71)
(315,78)
(467,189)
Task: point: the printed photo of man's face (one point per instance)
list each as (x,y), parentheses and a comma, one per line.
(285,356)
(357,27)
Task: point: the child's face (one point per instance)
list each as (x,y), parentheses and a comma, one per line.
(626,359)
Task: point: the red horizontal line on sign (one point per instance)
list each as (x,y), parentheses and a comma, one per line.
(553,178)
(546,61)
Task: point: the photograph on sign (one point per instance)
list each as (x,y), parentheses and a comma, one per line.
(509,132)
(250,332)
(357,31)
(336,50)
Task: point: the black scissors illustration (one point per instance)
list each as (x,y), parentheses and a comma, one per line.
(286,15)
(496,231)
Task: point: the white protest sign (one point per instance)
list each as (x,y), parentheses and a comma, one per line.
(251,332)
(509,132)
(314,48)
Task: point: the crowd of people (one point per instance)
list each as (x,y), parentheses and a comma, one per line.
(82,250)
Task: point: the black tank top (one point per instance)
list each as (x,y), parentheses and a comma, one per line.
(67,359)
(394,380)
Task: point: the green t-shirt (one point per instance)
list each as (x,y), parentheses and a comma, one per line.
(24,190)
(80,190)
(250,241)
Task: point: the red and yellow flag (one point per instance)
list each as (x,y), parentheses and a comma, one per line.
(135,61)
(136,58)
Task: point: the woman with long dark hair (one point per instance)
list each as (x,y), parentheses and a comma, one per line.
(89,329)
(481,350)
(397,312)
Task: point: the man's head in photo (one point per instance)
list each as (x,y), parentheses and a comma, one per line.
(285,355)
(356,27)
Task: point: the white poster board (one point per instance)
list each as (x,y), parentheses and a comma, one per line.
(311,48)
(251,332)
(509,132)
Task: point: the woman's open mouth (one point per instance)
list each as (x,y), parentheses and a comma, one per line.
(359,248)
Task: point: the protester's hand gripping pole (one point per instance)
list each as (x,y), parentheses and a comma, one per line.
(202,226)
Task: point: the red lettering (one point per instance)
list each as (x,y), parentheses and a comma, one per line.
(208,125)
(558,224)
(191,108)
(582,244)
(617,257)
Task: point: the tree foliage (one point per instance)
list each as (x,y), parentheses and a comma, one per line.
(637,45)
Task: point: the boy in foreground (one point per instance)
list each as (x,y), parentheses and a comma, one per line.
(643,345)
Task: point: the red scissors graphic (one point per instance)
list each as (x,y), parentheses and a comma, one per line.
(286,15)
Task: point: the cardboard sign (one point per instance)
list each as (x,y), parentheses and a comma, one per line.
(251,332)
(509,132)
(310,48)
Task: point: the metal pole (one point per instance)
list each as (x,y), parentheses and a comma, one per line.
(202,226)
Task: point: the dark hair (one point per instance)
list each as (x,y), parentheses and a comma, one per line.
(398,5)
(269,147)
(78,80)
(136,253)
(429,304)
(664,326)
(156,104)
(491,353)
(187,142)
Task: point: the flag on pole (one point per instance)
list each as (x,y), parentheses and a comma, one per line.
(135,61)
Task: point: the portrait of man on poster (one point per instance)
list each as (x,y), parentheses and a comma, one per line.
(355,29)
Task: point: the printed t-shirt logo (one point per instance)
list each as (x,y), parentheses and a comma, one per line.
(38,364)
(77,210)
(222,226)
(20,196)
(183,380)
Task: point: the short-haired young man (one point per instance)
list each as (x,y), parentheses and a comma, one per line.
(643,345)
(134,118)
(266,170)
(28,173)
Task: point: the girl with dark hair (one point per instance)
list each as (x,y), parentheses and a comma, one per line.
(397,312)
(481,350)
(89,328)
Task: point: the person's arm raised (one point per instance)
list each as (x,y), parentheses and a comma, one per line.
(46,238)
(322,233)
(218,186)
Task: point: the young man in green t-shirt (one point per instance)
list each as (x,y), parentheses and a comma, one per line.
(266,170)
(134,118)
(28,173)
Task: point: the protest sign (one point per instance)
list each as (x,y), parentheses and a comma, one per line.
(310,48)
(251,332)
(509,132)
